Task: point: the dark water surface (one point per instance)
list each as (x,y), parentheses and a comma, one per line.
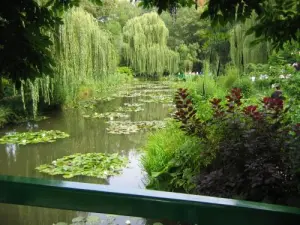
(86,135)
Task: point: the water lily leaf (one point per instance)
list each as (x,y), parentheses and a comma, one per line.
(61,223)
(78,219)
(32,137)
(130,108)
(129,127)
(98,165)
(108,115)
(157,223)
(93,220)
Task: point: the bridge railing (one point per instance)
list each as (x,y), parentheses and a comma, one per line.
(192,209)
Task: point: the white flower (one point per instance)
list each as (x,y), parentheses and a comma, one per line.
(128,222)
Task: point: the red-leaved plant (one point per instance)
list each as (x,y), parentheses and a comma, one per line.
(255,154)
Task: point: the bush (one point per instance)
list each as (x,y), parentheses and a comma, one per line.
(246,85)
(231,76)
(252,149)
(6,116)
(126,70)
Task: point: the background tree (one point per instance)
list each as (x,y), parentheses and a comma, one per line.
(24,43)
(190,31)
(278,21)
(145,46)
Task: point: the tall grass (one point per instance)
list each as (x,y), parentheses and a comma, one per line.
(161,147)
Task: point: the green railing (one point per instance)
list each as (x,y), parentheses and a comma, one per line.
(191,209)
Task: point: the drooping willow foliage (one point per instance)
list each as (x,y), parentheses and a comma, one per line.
(42,87)
(242,50)
(84,53)
(145,46)
(84,56)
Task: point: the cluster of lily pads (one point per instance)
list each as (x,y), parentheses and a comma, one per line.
(98,165)
(96,220)
(80,220)
(32,137)
(128,107)
(129,127)
(158,99)
(108,115)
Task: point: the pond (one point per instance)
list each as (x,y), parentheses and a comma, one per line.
(89,132)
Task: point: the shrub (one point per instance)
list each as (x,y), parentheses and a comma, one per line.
(245,84)
(231,76)
(6,116)
(252,149)
(126,70)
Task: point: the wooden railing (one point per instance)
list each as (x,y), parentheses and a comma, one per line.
(192,209)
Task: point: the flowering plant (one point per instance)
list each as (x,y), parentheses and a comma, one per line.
(253,148)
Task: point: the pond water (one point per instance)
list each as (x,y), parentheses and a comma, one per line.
(86,135)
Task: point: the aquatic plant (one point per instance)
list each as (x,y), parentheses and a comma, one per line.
(108,115)
(136,107)
(158,99)
(129,127)
(33,137)
(100,165)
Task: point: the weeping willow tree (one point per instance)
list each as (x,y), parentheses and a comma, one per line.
(84,52)
(145,46)
(85,57)
(242,49)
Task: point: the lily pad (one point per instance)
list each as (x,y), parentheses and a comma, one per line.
(128,95)
(32,137)
(108,115)
(158,99)
(98,165)
(104,99)
(129,127)
(130,107)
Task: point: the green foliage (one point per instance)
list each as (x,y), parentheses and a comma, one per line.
(32,137)
(171,159)
(277,15)
(289,54)
(98,165)
(5,113)
(84,54)
(130,127)
(230,77)
(145,46)
(188,56)
(25,46)
(200,40)
(108,115)
(292,85)
(246,85)
(125,70)
(249,148)
(242,50)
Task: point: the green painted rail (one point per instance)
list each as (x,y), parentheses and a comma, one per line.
(192,209)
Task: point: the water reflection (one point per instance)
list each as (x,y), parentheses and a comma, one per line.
(86,135)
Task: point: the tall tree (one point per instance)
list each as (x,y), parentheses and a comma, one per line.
(24,43)
(278,19)
(145,46)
